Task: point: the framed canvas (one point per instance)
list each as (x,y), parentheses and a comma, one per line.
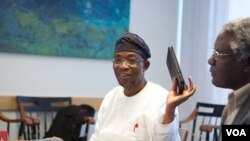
(70,28)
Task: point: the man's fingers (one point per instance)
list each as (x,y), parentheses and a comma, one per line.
(191,85)
(174,86)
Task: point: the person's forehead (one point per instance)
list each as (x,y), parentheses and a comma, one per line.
(227,35)
(223,41)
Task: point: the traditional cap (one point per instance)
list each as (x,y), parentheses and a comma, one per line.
(134,43)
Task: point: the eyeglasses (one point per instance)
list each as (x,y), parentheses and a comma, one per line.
(217,53)
(129,61)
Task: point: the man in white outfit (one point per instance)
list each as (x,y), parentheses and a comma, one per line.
(137,109)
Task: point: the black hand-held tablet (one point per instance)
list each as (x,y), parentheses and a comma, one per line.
(174,69)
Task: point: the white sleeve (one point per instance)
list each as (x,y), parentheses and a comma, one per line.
(167,132)
(96,135)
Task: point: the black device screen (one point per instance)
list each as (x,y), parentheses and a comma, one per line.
(174,69)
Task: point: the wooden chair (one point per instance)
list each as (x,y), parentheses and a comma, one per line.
(206,119)
(43,111)
(39,111)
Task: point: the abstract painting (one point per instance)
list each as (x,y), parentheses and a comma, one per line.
(70,28)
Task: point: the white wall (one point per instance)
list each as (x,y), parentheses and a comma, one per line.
(24,74)
(53,76)
(238,9)
(156,22)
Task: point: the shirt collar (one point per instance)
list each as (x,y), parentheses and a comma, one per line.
(241,95)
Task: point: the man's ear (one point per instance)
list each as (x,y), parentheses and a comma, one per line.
(146,65)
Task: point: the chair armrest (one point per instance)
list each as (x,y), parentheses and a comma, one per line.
(31,121)
(208,127)
(25,118)
(7,119)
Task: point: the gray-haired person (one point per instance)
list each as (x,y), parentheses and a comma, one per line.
(230,68)
(137,109)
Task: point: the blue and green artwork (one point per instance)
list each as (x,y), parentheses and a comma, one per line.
(71,28)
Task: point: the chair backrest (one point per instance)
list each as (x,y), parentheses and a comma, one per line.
(206,119)
(41,111)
